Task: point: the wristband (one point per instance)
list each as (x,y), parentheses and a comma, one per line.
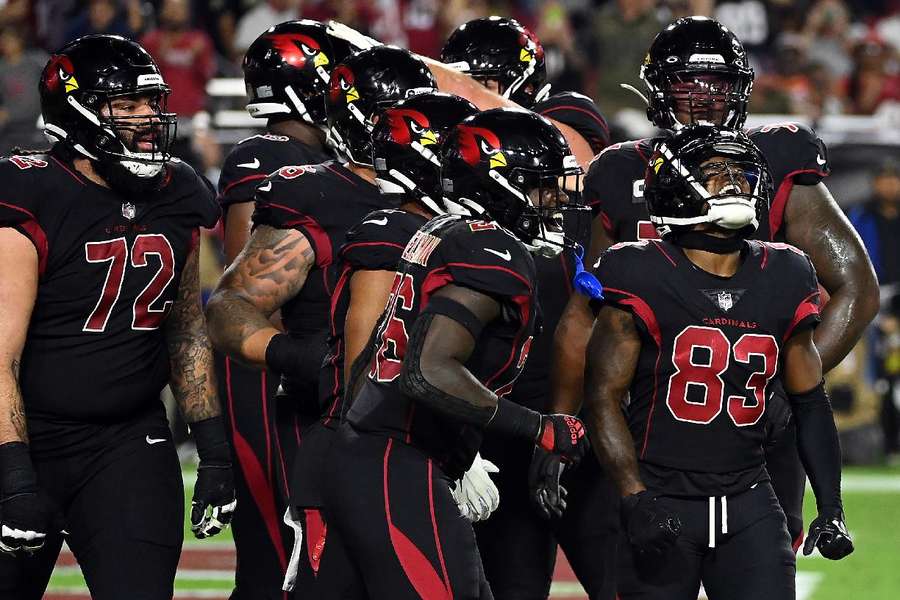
(515,420)
(297,358)
(17,474)
(212,446)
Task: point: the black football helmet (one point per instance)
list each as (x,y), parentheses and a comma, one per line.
(364,84)
(287,71)
(697,66)
(82,79)
(406,144)
(501,49)
(685,165)
(512,166)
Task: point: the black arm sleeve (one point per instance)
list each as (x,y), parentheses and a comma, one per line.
(820,448)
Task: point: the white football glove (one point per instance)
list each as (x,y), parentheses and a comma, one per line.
(351,36)
(475,494)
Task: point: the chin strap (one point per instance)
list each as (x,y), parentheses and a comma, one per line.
(584,282)
(710,243)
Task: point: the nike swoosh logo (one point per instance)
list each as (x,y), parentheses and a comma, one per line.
(266,187)
(152,441)
(381,221)
(820,160)
(505,255)
(254,164)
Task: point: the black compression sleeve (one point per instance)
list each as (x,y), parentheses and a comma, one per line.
(448,401)
(820,448)
(17,474)
(297,358)
(212,445)
(516,420)
(450,308)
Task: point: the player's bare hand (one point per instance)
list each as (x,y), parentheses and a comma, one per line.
(829,534)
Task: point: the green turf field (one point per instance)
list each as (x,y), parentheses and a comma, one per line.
(872,502)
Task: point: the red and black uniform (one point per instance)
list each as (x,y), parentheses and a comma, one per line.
(614,190)
(94,364)
(578,112)
(262,541)
(374,244)
(387,493)
(711,349)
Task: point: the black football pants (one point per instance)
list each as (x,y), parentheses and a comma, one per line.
(391,508)
(123,506)
(746,556)
(262,442)
(518,546)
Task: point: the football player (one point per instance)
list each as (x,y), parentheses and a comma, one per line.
(697,71)
(101,298)
(697,328)
(286,71)
(518,544)
(455,334)
(302,215)
(406,144)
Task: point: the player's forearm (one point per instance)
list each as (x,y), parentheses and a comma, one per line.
(239,329)
(612,442)
(192,378)
(12,407)
(569,344)
(848,312)
(455,82)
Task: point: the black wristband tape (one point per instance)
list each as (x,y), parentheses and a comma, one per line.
(297,358)
(515,420)
(212,445)
(17,474)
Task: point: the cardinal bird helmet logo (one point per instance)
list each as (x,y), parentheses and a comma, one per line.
(343,82)
(477,144)
(298,49)
(60,71)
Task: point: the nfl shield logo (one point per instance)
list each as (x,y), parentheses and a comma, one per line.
(725,301)
(128,210)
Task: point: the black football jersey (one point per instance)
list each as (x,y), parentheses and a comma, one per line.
(614,184)
(252,159)
(322,202)
(374,244)
(711,349)
(578,112)
(465,252)
(110,266)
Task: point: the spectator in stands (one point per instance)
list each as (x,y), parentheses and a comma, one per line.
(20,104)
(185,56)
(261,17)
(878,223)
(874,79)
(623,30)
(827,36)
(107,16)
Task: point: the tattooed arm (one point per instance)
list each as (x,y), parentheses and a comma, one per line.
(269,271)
(18,291)
(612,356)
(192,378)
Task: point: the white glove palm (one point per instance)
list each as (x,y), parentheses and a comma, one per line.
(475,494)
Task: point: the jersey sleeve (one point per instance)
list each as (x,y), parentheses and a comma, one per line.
(483,257)
(244,168)
(288,199)
(802,287)
(794,152)
(19,205)
(376,243)
(623,285)
(581,114)
(609,186)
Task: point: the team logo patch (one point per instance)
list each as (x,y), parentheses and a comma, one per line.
(297,49)
(477,144)
(128,210)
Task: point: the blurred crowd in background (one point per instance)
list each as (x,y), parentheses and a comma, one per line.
(813,59)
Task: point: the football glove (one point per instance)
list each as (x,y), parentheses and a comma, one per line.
(213,504)
(563,435)
(652,529)
(829,534)
(475,494)
(547,495)
(25,520)
(351,36)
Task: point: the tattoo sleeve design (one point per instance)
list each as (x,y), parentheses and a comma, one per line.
(192,377)
(270,270)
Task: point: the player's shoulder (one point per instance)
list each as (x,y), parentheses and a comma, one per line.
(579,112)
(39,168)
(632,154)
(184,184)
(780,256)
(267,152)
(385,225)
(792,150)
